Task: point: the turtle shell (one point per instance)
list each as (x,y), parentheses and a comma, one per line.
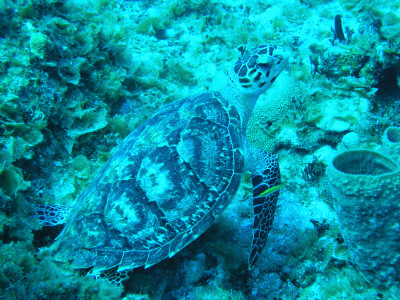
(160,189)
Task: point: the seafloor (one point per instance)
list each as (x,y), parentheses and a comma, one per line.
(78,76)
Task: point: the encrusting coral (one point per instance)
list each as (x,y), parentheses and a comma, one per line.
(270,111)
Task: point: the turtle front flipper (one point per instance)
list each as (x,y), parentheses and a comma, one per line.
(266,180)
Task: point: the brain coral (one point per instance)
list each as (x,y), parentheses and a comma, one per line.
(270,110)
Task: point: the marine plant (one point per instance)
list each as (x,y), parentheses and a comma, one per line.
(314,170)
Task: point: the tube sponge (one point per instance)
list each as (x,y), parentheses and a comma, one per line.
(365,187)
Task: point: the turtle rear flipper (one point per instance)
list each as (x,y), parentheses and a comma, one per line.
(266,180)
(52,215)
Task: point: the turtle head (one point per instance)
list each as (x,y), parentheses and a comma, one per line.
(257,69)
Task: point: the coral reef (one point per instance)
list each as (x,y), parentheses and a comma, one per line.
(24,276)
(78,76)
(314,170)
(391,142)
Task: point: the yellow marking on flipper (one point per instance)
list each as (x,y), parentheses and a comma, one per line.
(271,190)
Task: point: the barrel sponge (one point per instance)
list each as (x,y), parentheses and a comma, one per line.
(365,186)
(391,142)
(270,110)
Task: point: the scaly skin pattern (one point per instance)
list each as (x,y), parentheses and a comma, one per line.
(263,205)
(162,187)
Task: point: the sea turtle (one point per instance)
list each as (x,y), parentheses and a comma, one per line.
(173,175)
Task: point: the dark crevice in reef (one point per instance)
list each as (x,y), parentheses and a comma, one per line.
(388,86)
(46,236)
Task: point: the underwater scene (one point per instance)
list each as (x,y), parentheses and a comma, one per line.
(207,149)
